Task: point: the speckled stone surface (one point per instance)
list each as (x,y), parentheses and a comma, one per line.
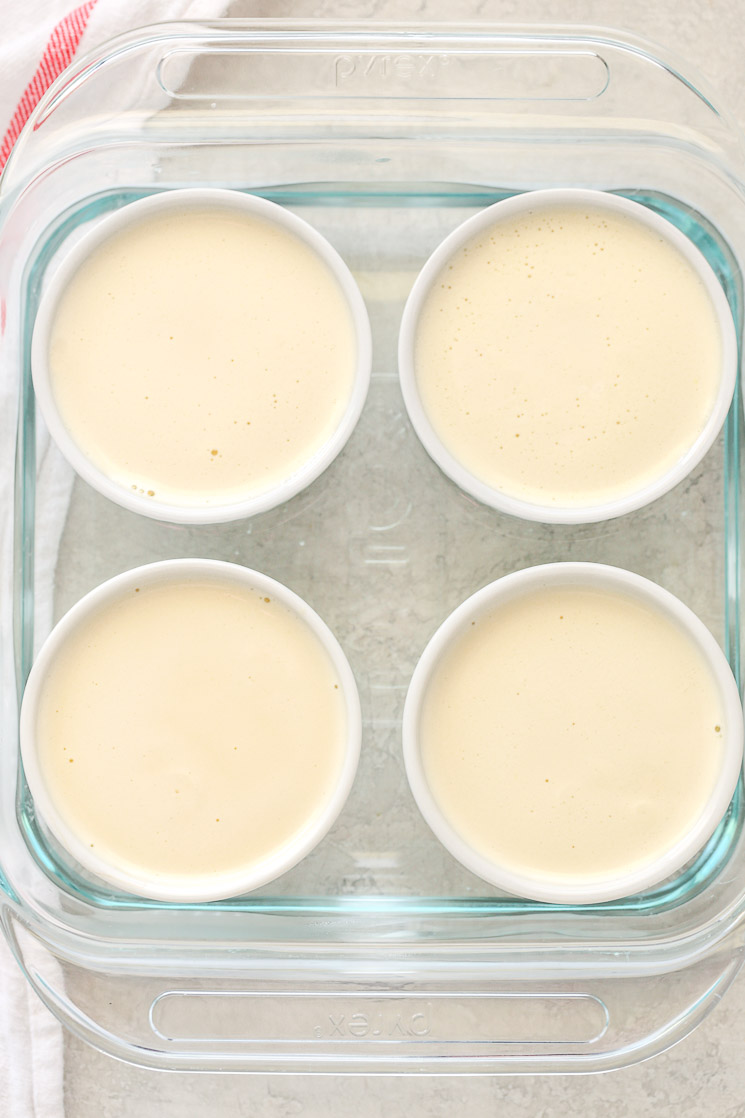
(703,1075)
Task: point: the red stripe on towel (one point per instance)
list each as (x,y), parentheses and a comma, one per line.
(63,42)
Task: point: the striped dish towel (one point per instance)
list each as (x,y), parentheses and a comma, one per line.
(40,38)
(62,40)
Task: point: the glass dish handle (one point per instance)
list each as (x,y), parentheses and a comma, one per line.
(245,78)
(379,68)
(430,1025)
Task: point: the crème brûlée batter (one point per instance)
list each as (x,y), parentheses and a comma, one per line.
(572,733)
(202,356)
(190,729)
(568,356)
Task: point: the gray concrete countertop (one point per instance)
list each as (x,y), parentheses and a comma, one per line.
(704,1075)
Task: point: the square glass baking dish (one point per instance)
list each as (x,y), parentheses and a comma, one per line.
(378,953)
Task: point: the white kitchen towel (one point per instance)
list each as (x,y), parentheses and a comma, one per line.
(40,38)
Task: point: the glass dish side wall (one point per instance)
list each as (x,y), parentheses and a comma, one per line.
(418,163)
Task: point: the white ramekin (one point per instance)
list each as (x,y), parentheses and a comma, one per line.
(513,207)
(172,201)
(201,887)
(585,575)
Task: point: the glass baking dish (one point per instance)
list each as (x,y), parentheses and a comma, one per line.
(378,953)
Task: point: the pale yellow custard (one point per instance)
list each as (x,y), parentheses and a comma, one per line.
(202,356)
(568,356)
(572,733)
(190,729)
